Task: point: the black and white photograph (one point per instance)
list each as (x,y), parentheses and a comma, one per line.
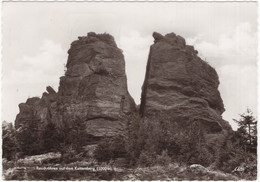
(129,90)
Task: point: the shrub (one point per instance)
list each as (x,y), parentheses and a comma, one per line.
(29,138)
(69,154)
(161,132)
(146,159)
(51,138)
(110,148)
(163,159)
(102,152)
(201,156)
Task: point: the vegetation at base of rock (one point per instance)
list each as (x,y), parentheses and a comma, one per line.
(32,140)
(9,143)
(110,148)
(149,141)
(157,134)
(29,140)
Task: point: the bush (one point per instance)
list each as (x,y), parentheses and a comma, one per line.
(51,138)
(157,133)
(201,156)
(69,154)
(110,148)
(29,139)
(163,159)
(146,159)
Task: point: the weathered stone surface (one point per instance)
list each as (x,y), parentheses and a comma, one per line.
(94,87)
(93,90)
(179,82)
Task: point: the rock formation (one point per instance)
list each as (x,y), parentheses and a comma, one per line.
(180,84)
(93,90)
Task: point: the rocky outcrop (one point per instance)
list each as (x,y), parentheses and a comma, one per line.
(37,109)
(93,90)
(179,83)
(27,111)
(94,87)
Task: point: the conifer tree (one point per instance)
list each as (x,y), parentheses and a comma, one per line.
(248,131)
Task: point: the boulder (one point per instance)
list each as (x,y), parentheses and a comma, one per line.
(198,169)
(39,159)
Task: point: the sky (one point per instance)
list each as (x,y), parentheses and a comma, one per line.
(37,36)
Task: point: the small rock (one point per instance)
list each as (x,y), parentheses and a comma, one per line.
(197,168)
(50,90)
(39,159)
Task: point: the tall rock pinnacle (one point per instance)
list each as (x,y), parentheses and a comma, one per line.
(94,87)
(178,82)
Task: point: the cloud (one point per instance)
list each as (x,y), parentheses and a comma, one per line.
(47,65)
(238,46)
